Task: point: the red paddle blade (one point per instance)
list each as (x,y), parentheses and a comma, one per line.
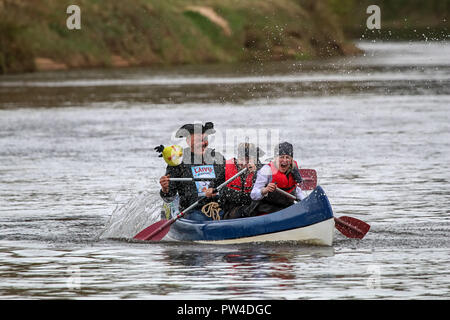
(309,177)
(351,227)
(156,231)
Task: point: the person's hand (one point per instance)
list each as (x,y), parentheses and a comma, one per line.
(271,187)
(210,192)
(164,182)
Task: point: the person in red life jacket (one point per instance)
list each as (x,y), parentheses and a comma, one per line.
(281,172)
(235,199)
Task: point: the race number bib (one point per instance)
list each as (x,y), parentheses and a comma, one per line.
(206,171)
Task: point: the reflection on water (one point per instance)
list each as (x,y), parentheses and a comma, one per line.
(79,177)
(178,271)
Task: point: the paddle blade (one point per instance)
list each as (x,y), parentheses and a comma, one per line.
(351,227)
(309,177)
(155,232)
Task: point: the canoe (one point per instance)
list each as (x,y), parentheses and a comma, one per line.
(310,221)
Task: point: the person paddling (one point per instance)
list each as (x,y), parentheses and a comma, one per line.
(235,198)
(281,172)
(199,162)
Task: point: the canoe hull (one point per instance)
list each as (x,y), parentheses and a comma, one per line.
(310,221)
(320,234)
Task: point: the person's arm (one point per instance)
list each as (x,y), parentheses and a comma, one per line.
(219,170)
(263,177)
(299,193)
(168,193)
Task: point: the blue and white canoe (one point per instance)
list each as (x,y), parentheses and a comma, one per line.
(310,221)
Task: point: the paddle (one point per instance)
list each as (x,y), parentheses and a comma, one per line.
(189,179)
(348,226)
(351,227)
(309,177)
(158,230)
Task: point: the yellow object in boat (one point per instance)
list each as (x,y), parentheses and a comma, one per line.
(173,155)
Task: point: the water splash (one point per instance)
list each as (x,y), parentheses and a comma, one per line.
(129,219)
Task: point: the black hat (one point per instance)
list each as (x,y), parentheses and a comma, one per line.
(284,148)
(192,128)
(249,150)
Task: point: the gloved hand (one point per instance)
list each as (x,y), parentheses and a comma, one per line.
(159,149)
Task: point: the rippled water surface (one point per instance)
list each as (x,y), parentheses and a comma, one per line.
(78,177)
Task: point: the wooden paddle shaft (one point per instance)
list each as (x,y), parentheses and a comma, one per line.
(189,179)
(287,194)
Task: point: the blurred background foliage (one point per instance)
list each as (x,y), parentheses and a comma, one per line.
(149,32)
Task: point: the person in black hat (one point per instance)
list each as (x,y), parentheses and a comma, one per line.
(281,172)
(235,198)
(199,161)
(197,139)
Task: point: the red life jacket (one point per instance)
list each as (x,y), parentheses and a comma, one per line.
(287,183)
(236,184)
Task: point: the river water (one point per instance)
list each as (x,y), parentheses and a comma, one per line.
(78,177)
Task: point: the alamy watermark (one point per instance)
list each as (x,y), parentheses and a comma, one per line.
(374,279)
(227,141)
(73,281)
(73,22)
(374,20)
